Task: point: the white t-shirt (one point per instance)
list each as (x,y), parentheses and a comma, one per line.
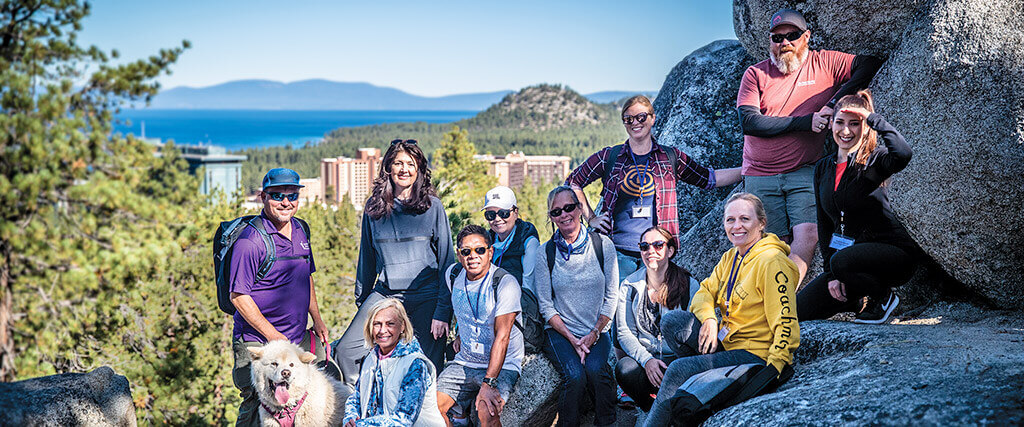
(475,309)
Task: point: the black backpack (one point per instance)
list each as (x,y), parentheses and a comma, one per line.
(223,242)
(595,241)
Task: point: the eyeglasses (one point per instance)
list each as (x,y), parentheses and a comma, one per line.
(658,245)
(407,141)
(640,118)
(281,196)
(791,36)
(492,215)
(557,212)
(480,250)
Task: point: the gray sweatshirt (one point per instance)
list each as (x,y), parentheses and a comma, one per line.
(576,289)
(637,343)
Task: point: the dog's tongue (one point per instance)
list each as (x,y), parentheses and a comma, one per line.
(281,393)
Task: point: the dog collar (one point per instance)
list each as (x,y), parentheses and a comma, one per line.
(286,416)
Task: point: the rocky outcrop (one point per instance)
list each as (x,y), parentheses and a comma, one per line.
(535,400)
(696,112)
(957,365)
(872,27)
(954,89)
(97,398)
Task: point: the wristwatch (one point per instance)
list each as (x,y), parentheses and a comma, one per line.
(493,382)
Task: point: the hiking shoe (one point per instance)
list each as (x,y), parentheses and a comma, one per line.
(626,402)
(877,313)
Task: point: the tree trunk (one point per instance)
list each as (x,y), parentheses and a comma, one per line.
(6,307)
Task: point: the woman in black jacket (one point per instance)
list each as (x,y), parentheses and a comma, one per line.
(867,252)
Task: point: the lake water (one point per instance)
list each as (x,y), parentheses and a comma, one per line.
(238,129)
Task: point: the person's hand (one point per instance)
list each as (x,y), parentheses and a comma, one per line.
(861,112)
(707,341)
(655,371)
(819,122)
(438,328)
(350,423)
(837,289)
(588,340)
(581,350)
(602,223)
(826,111)
(491,400)
(276,336)
(320,329)
(457,344)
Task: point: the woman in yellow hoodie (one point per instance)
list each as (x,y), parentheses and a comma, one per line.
(752,290)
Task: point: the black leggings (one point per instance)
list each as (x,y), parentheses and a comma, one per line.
(867,269)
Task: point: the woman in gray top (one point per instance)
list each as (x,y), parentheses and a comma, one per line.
(578,300)
(405,247)
(657,288)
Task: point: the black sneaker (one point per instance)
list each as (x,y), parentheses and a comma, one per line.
(876,313)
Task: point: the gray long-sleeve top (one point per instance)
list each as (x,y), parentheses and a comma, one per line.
(408,253)
(576,289)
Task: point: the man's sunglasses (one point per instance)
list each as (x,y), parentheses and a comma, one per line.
(281,196)
(503,213)
(791,36)
(644,246)
(407,141)
(480,250)
(640,118)
(557,212)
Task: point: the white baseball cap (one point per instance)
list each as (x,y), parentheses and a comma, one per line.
(500,197)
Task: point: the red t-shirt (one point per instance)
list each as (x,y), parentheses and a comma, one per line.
(796,94)
(840,168)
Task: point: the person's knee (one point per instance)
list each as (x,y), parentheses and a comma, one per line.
(679,321)
(444,402)
(805,234)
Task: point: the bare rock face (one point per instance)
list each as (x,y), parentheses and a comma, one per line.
(535,399)
(696,112)
(954,89)
(97,398)
(871,27)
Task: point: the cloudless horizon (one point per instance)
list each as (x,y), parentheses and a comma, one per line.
(423,48)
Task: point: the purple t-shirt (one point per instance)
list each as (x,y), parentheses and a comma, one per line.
(283,294)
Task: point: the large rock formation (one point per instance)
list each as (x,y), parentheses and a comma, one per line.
(869,27)
(535,400)
(97,398)
(696,112)
(954,89)
(957,366)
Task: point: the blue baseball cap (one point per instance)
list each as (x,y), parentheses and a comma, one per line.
(279,177)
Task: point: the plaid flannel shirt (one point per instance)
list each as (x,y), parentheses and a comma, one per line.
(687,170)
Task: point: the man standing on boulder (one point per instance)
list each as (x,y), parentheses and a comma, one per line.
(276,306)
(785,102)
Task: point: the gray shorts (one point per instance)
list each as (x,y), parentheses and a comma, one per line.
(788,198)
(462,384)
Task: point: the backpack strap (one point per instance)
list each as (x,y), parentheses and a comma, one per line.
(500,273)
(595,241)
(549,250)
(609,163)
(453,272)
(268,262)
(673,158)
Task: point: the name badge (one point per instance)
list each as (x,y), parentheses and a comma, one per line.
(840,242)
(641,211)
(722,333)
(477,348)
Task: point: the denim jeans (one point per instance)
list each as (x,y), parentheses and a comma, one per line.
(577,378)
(682,330)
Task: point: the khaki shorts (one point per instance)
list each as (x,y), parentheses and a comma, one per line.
(788,198)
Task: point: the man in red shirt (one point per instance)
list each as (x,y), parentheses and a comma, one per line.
(785,103)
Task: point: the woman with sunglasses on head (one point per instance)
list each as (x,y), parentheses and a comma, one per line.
(405,247)
(645,297)
(753,287)
(639,183)
(865,249)
(577,293)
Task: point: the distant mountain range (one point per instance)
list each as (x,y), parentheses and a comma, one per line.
(328,95)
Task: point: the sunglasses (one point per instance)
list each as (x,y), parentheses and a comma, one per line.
(480,250)
(281,196)
(791,36)
(557,212)
(492,215)
(407,141)
(644,246)
(640,118)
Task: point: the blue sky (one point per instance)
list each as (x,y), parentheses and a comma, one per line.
(427,48)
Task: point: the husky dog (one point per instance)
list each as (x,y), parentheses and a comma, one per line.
(292,392)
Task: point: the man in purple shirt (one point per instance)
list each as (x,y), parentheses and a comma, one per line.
(276,306)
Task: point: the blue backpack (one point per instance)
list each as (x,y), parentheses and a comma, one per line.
(224,240)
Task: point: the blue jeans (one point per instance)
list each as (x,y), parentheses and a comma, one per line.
(627,264)
(595,374)
(682,330)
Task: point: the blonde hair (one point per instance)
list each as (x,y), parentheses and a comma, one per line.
(759,212)
(407,332)
(862,99)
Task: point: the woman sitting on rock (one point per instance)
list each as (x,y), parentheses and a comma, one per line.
(753,287)
(645,297)
(577,287)
(396,384)
(866,251)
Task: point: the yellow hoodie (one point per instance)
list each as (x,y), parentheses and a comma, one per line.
(762,315)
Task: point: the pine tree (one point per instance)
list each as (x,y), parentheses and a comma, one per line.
(460,179)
